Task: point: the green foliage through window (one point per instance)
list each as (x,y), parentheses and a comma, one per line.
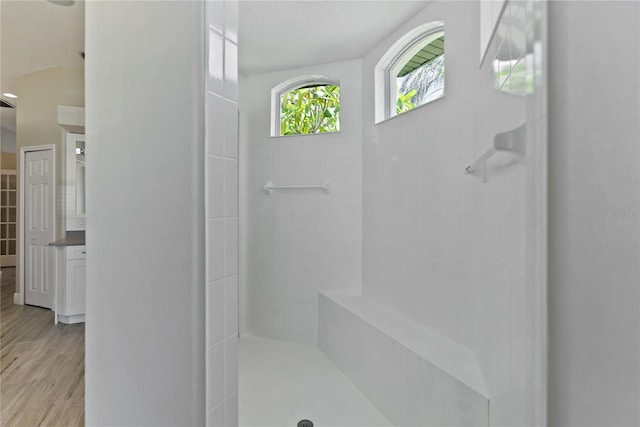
(311,109)
(421,85)
(404,101)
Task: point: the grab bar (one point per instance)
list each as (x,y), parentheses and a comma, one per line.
(325,187)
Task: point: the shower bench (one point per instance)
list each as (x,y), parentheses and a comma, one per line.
(412,374)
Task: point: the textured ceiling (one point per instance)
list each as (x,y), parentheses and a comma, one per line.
(278,35)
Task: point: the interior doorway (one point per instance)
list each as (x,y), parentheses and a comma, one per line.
(37,225)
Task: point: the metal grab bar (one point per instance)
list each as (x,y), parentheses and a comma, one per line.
(325,187)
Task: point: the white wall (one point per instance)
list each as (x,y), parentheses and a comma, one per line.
(594,313)
(439,246)
(145,328)
(8,160)
(413,182)
(8,139)
(298,243)
(221,195)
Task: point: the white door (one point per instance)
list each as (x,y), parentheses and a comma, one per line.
(38,227)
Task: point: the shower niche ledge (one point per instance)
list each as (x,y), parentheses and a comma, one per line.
(412,374)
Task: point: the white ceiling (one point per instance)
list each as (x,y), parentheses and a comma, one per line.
(283,34)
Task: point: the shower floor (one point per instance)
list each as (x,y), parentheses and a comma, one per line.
(282,383)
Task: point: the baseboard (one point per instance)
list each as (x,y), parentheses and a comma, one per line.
(17,300)
(74,318)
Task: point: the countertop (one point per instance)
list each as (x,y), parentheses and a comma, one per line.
(75,238)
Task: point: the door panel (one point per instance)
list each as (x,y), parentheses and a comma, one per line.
(39,184)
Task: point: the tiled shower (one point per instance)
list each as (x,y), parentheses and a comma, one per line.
(221,212)
(421,281)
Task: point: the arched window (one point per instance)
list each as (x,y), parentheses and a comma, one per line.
(305,105)
(411,72)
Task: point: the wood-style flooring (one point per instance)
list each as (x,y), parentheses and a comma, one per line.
(41,365)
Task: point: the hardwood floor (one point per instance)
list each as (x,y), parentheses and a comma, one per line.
(41,365)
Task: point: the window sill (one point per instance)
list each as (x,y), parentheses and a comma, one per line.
(410,111)
(305,134)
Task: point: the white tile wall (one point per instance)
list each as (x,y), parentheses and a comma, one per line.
(231,306)
(215,417)
(442,247)
(215,82)
(215,374)
(230,129)
(427,208)
(301,242)
(215,108)
(214,173)
(216,313)
(221,191)
(215,249)
(231,410)
(230,69)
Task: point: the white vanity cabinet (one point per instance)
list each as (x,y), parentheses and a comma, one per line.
(71,284)
(70,251)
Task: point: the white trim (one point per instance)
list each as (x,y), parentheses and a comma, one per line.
(389,65)
(23,153)
(417,108)
(541,12)
(71,118)
(74,318)
(292,84)
(9,260)
(16,299)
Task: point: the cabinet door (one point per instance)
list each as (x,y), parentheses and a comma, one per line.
(76,286)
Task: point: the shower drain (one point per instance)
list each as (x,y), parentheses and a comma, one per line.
(305,423)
